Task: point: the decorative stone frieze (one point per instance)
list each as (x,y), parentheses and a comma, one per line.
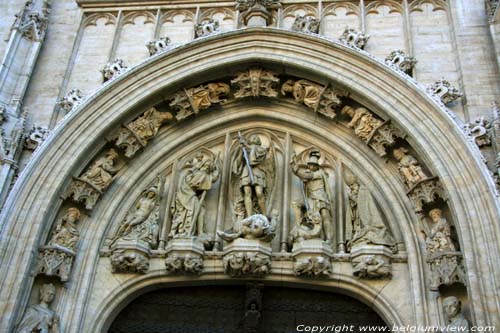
(256,82)
(188,102)
(184,256)
(444,91)
(56,258)
(206,28)
(257,13)
(353,38)
(158,46)
(322,99)
(137,134)
(371,261)
(376,133)
(138,234)
(113,69)
(306,24)
(480,131)
(36,137)
(89,187)
(40,317)
(71,100)
(400,61)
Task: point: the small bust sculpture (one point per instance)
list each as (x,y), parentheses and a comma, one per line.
(40,318)
(456,320)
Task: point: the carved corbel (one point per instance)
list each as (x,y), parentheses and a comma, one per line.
(353,38)
(158,46)
(188,102)
(322,99)
(88,188)
(306,24)
(256,82)
(137,134)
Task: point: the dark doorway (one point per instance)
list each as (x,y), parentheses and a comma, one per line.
(251,308)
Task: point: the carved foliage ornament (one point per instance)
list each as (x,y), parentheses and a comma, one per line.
(353,38)
(71,100)
(256,82)
(158,46)
(193,100)
(306,24)
(444,91)
(400,61)
(113,69)
(206,28)
(36,137)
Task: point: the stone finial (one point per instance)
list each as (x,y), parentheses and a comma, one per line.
(257,13)
(306,24)
(444,91)
(353,38)
(70,100)
(157,46)
(206,28)
(400,61)
(36,137)
(112,69)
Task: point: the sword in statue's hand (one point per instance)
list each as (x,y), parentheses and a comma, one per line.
(245,157)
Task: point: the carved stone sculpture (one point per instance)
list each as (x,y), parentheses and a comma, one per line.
(193,100)
(307,225)
(306,24)
(324,100)
(32,24)
(257,13)
(158,46)
(253,308)
(40,317)
(444,259)
(253,170)
(56,258)
(113,69)
(256,82)
(88,188)
(444,91)
(479,130)
(137,134)
(129,261)
(36,137)
(316,191)
(188,209)
(353,38)
(372,267)
(187,264)
(71,100)
(409,167)
(247,263)
(256,226)
(400,61)
(206,28)
(426,192)
(315,266)
(455,318)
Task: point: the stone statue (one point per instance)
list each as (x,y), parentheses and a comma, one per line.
(146,126)
(100,174)
(256,226)
(456,320)
(307,225)
(188,209)
(368,223)
(303,91)
(362,121)
(66,234)
(409,167)
(439,237)
(40,318)
(137,216)
(255,168)
(372,267)
(316,190)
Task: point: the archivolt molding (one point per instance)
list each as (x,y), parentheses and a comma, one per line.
(407,106)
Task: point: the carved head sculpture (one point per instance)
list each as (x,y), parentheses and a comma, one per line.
(452,306)
(435,214)
(313,161)
(72,215)
(287,87)
(112,154)
(399,153)
(47,293)
(254,140)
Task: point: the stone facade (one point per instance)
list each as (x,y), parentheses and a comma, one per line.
(347,144)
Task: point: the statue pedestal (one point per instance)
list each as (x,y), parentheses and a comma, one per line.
(130,256)
(312,258)
(184,255)
(55,261)
(371,261)
(247,257)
